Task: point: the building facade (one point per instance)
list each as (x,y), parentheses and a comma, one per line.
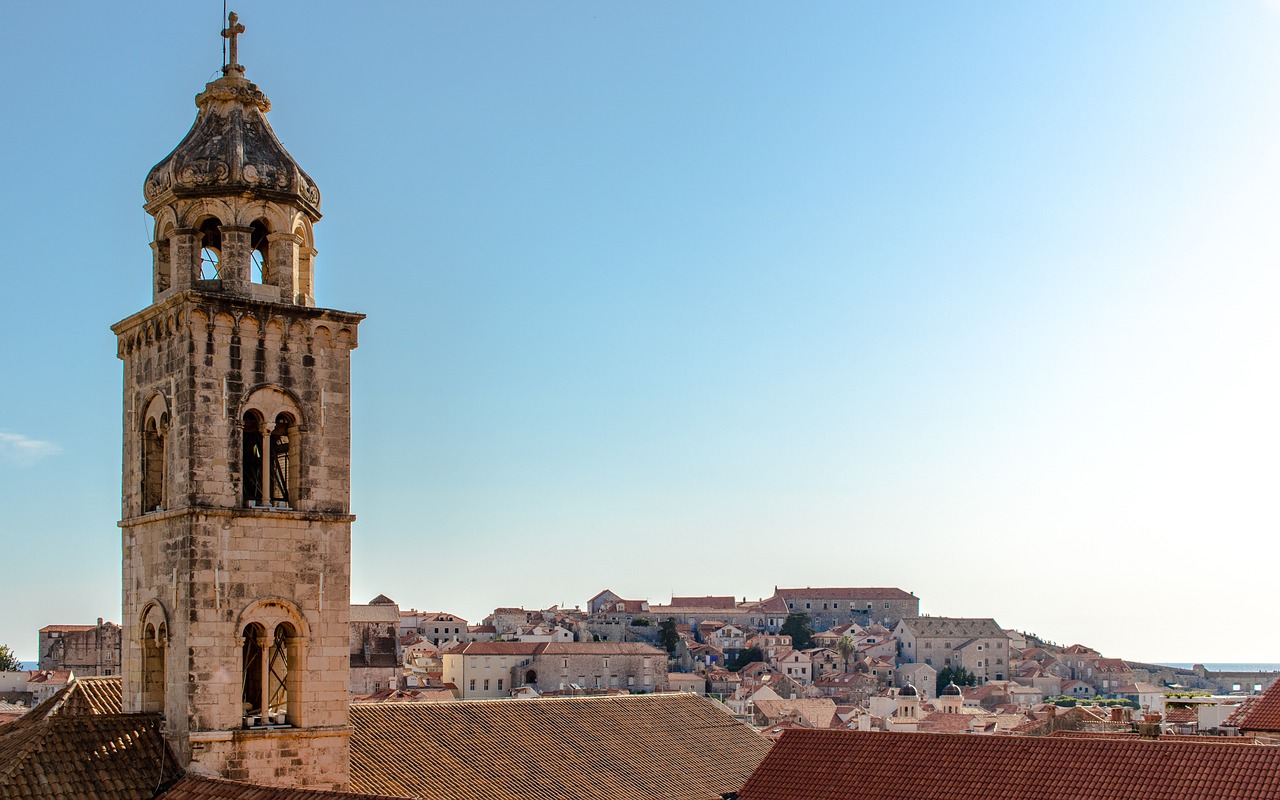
(829,607)
(236,470)
(978,645)
(86,650)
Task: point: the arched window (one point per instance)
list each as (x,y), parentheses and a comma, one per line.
(210,249)
(271,450)
(267,682)
(259,268)
(252,458)
(154,642)
(282,469)
(153,466)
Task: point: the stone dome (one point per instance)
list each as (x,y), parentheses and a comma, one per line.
(231,151)
(950,690)
(908,691)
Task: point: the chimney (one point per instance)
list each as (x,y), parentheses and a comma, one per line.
(1117,714)
(99,622)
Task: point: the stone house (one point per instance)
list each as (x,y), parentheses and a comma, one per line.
(795,664)
(437,627)
(494,669)
(87,650)
(922,676)
(829,607)
(764,615)
(824,660)
(769,644)
(978,645)
(376,661)
(608,602)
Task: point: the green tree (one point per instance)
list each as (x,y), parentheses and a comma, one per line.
(746,657)
(668,637)
(797,627)
(9,660)
(957,675)
(846,647)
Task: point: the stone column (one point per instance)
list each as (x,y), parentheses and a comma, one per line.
(233,269)
(184,257)
(283,251)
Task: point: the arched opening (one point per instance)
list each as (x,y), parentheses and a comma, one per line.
(270,691)
(279,678)
(152,467)
(531,677)
(283,479)
(259,269)
(210,249)
(153,652)
(253,661)
(252,458)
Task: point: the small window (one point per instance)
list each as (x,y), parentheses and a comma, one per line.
(473,684)
(499,684)
(486,684)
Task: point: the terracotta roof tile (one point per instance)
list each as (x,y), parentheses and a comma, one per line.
(581,748)
(72,745)
(852,765)
(1260,713)
(198,788)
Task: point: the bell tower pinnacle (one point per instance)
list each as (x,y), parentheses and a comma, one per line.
(235,505)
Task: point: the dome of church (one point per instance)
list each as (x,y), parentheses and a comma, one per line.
(951,690)
(231,151)
(908,691)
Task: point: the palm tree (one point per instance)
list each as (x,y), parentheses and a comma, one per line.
(846,646)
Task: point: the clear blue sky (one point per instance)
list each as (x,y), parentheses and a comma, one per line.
(974,299)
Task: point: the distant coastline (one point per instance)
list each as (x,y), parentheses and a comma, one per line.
(1246,666)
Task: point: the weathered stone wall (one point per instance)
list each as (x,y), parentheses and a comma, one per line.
(86,653)
(636,672)
(211,564)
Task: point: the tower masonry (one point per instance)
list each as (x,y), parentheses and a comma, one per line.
(236,467)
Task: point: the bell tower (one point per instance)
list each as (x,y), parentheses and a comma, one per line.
(236,477)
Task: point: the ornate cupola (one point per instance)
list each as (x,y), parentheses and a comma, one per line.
(235,503)
(233,210)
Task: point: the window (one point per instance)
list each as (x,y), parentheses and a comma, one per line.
(259,269)
(252,458)
(887,605)
(486,684)
(153,470)
(499,684)
(270,452)
(473,684)
(281,473)
(266,680)
(210,250)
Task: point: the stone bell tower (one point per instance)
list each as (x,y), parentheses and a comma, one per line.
(235,506)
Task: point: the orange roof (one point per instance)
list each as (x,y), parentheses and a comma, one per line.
(1261,713)
(78,744)
(197,788)
(854,765)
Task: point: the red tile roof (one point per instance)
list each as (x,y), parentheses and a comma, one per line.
(1261,713)
(75,744)
(853,765)
(197,788)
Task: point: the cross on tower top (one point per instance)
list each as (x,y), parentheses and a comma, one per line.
(233,29)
